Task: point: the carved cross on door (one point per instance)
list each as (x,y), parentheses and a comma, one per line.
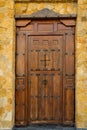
(45,60)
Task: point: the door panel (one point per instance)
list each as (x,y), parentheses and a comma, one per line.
(20,89)
(69,77)
(45,72)
(50,51)
(69,106)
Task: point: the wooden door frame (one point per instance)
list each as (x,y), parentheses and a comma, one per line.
(51,18)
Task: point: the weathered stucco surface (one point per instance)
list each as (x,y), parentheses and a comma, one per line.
(81,65)
(7,55)
(6,63)
(28,8)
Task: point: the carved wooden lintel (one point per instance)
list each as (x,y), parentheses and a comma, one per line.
(23,22)
(45,13)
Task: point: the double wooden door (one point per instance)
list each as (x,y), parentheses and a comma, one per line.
(45,72)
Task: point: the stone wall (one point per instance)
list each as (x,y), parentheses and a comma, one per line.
(81,65)
(45,1)
(25,8)
(6,63)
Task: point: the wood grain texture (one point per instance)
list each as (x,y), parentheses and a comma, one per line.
(45,72)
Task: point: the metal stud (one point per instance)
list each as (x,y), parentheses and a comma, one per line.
(66,53)
(73,53)
(17,75)
(52,68)
(45,50)
(17,54)
(66,33)
(52,50)
(37,50)
(37,74)
(17,33)
(23,89)
(31,69)
(38,69)
(66,74)
(44,74)
(16,89)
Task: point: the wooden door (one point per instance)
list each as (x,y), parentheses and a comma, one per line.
(45,78)
(45,72)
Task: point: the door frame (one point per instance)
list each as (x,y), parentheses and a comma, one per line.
(52,18)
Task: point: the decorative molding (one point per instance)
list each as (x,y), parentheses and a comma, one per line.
(45,13)
(23,22)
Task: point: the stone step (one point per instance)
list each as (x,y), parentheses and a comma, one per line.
(53,127)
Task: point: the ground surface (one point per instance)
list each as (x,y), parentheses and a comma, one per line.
(45,127)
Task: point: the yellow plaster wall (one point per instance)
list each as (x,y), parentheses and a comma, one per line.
(29,8)
(81,65)
(6,63)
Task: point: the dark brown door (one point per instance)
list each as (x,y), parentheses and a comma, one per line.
(45,72)
(45,78)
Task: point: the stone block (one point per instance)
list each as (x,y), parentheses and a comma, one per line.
(82,1)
